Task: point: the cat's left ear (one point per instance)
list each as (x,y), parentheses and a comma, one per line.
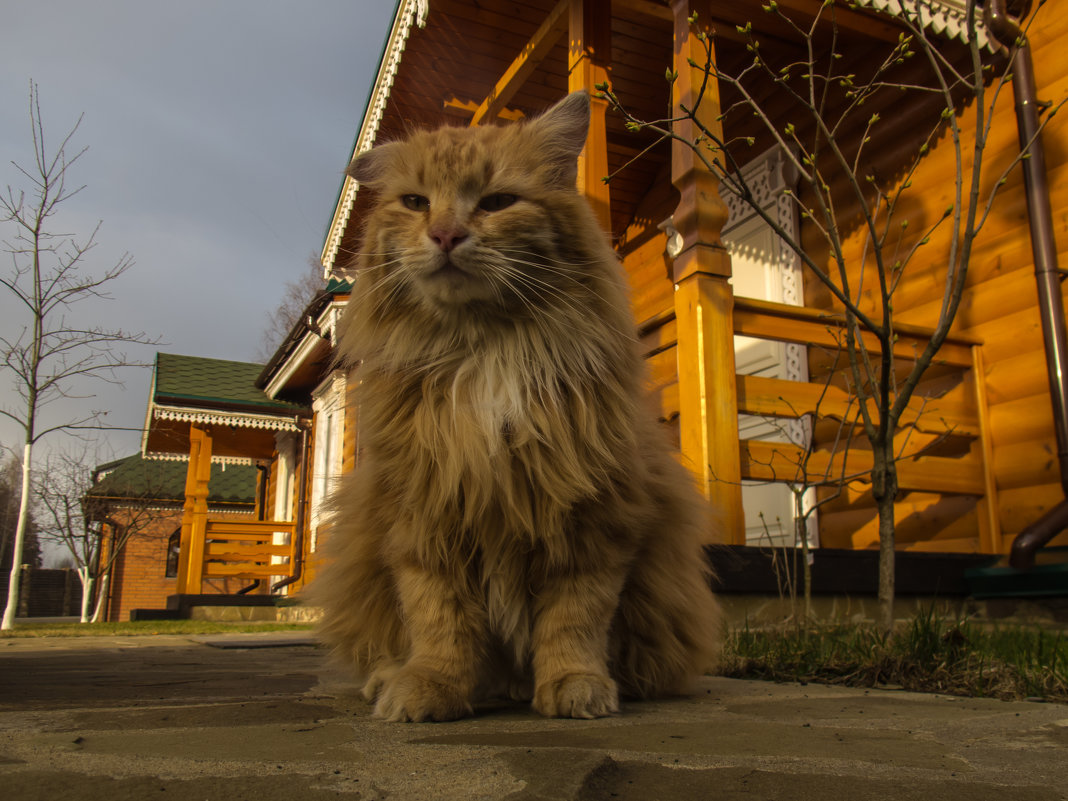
(371,166)
(561,134)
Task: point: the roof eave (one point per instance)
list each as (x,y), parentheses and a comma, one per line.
(408,12)
(296,339)
(947,18)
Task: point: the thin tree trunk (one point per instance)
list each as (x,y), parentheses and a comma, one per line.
(87,592)
(16,548)
(101,598)
(884,490)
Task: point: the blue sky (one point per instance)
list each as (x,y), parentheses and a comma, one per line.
(218,132)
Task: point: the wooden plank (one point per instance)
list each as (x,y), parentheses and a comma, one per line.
(777,461)
(1023,376)
(1025,464)
(948,520)
(1021,506)
(547,34)
(647,7)
(256,528)
(767,320)
(1029,418)
(467,108)
(232,552)
(776,397)
(244,570)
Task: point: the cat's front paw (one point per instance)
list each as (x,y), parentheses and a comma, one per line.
(415,695)
(377,679)
(577,695)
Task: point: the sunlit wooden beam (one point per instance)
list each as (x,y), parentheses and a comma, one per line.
(469,107)
(547,35)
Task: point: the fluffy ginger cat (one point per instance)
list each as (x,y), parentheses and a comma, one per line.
(516,522)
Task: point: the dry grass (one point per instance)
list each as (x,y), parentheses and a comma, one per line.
(930,654)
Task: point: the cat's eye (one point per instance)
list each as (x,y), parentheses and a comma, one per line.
(415,202)
(497,201)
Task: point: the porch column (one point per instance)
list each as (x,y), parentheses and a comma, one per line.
(195,512)
(703,299)
(589,56)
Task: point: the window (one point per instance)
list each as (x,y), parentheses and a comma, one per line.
(174,548)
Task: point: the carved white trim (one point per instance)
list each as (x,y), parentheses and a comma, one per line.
(409,12)
(176,506)
(769,177)
(240,461)
(260,421)
(945,17)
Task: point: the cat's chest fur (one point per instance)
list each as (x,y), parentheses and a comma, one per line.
(499,435)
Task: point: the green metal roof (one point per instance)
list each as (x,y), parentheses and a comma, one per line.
(338,286)
(198,381)
(136,478)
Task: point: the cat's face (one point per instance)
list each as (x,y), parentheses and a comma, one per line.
(470,217)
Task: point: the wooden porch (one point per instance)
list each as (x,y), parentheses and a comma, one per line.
(482,64)
(217,548)
(208,411)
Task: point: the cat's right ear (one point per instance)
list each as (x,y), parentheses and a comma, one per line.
(561,132)
(370,167)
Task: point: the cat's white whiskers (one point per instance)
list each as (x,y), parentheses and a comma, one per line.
(550,291)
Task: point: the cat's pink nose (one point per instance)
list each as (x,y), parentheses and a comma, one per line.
(447,238)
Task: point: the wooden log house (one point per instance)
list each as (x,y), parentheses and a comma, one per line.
(735,333)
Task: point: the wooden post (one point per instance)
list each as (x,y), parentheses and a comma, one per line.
(195,512)
(704,301)
(589,56)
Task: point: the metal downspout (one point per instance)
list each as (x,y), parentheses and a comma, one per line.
(1007,30)
(261,506)
(302,502)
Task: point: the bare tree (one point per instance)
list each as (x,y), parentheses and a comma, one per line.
(50,357)
(833,135)
(296,297)
(73,516)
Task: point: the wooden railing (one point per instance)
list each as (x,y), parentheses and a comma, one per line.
(236,549)
(944,440)
(246,550)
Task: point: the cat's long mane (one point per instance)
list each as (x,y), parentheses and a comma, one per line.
(505,444)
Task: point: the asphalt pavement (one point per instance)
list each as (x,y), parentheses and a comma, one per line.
(254,716)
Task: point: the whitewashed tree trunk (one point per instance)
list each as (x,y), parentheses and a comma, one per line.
(87,591)
(20,537)
(101,595)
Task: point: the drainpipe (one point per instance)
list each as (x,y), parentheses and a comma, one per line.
(261,505)
(1007,30)
(302,502)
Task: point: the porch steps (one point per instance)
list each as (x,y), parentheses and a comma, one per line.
(230,608)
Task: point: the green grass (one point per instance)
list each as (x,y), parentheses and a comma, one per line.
(142,628)
(930,654)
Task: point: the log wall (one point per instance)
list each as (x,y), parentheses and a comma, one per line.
(999,308)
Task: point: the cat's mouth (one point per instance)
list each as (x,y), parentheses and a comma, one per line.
(449,271)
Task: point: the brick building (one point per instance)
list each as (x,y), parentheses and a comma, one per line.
(137,504)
